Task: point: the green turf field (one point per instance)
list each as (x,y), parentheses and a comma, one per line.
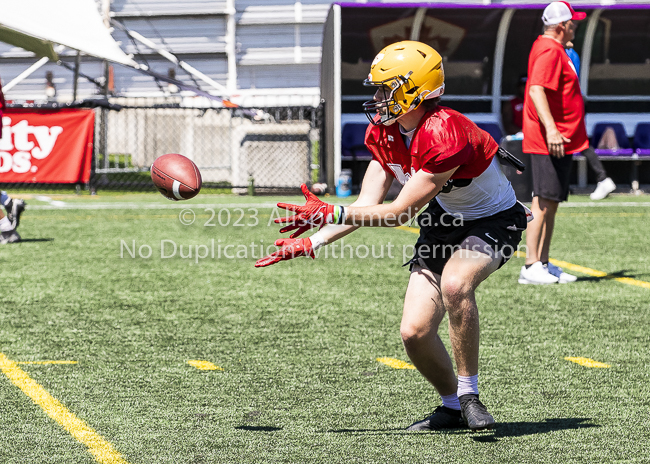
(294,347)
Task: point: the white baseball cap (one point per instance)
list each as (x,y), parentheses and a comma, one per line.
(558,12)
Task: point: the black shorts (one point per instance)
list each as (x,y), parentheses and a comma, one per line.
(551,176)
(442,233)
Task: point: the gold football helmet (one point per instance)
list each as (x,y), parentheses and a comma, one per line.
(406,73)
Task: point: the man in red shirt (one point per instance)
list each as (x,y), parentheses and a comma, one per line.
(471,227)
(554,129)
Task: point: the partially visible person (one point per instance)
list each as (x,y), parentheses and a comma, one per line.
(8,233)
(554,129)
(512,111)
(605,184)
(14,208)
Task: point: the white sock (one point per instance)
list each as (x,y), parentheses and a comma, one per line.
(468,385)
(5,225)
(451,401)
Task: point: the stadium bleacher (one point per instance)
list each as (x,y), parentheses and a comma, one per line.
(622,142)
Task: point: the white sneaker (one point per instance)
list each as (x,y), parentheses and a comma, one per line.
(563,277)
(536,274)
(603,188)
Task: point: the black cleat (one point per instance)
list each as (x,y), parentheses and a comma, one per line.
(14,211)
(475,414)
(442,418)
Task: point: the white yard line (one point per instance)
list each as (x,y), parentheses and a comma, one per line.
(53,204)
(120,205)
(593,204)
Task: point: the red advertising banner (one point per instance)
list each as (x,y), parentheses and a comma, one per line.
(46,146)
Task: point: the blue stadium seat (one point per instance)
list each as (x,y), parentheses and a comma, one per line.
(493,129)
(352,146)
(621,139)
(641,141)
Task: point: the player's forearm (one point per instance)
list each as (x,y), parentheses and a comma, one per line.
(389,215)
(538,95)
(366,216)
(417,192)
(332,232)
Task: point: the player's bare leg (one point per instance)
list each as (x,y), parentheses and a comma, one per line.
(463,273)
(423,313)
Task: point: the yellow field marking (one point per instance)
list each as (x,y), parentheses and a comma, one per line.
(415,230)
(46,362)
(587,362)
(204,365)
(595,273)
(395,363)
(101,449)
(592,272)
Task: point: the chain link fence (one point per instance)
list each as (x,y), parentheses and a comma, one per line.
(272,150)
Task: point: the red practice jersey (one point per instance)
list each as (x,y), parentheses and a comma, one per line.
(443,140)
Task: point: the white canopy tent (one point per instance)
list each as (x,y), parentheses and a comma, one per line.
(36,25)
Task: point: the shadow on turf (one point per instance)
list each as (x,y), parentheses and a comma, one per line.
(613,275)
(519,429)
(368,431)
(25,240)
(502,429)
(255,428)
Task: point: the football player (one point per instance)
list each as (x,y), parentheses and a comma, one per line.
(470,229)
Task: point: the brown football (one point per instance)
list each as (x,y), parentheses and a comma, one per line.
(176,177)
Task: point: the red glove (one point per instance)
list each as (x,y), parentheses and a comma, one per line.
(314,213)
(291,248)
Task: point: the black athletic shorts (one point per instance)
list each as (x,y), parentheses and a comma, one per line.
(551,176)
(442,233)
